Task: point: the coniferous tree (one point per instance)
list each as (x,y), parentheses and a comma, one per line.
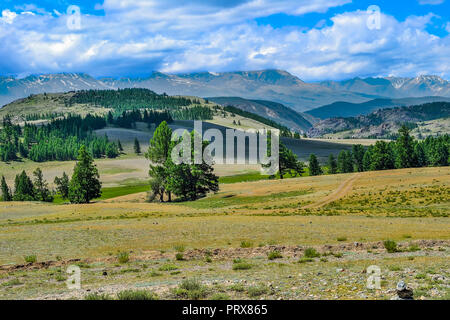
(24,189)
(314,167)
(358,152)
(42,193)
(332,164)
(62,185)
(404,149)
(119,146)
(6,192)
(288,162)
(85,184)
(345,162)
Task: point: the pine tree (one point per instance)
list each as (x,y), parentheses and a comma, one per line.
(358,152)
(137,146)
(332,164)
(85,184)
(119,145)
(404,149)
(288,162)
(345,163)
(62,185)
(24,189)
(314,167)
(6,192)
(42,193)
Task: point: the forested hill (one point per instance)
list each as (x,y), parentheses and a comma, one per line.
(128,99)
(383,122)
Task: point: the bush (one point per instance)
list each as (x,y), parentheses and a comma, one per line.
(179,256)
(96,296)
(220,296)
(311,253)
(246,244)
(30,259)
(257,291)
(391,246)
(123,257)
(274,255)
(413,248)
(238,287)
(241,265)
(168,267)
(191,289)
(136,295)
(304,260)
(340,239)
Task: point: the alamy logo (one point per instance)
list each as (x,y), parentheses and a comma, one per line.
(236,147)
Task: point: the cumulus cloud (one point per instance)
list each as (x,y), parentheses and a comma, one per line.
(137,37)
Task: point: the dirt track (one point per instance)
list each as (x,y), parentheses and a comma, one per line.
(340,192)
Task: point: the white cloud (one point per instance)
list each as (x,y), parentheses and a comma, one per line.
(182,36)
(8,16)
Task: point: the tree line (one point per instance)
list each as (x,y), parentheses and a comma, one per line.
(60,139)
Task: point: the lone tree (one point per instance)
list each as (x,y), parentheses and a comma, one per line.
(62,185)
(6,192)
(137,146)
(158,154)
(85,184)
(332,164)
(42,193)
(314,167)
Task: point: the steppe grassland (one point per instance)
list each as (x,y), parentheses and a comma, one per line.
(262,212)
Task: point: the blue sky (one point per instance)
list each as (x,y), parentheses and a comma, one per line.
(313,39)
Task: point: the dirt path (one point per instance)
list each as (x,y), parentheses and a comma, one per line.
(340,192)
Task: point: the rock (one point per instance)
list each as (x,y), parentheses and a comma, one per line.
(105,273)
(403,291)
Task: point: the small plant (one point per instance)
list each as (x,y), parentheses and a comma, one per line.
(272,255)
(123,257)
(208,259)
(340,239)
(155,274)
(238,287)
(179,248)
(220,296)
(395,268)
(168,267)
(239,264)
(179,256)
(413,248)
(246,244)
(190,289)
(311,253)
(256,291)
(136,295)
(30,259)
(391,246)
(305,260)
(96,296)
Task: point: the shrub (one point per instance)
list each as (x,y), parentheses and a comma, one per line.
(238,287)
(342,239)
(246,244)
(274,255)
(413,248)
(30,259)
(391,246)
(256,291)
(191,289)
(242,266)
(96,296)
(304,260)
(208,259)
(123,257)
(220,296)
(311,253)
(136,295)
(179,256)
(168,267)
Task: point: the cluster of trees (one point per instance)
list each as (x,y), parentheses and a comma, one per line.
(405,152)
(43,116)
(84,185)
(128,99)
(58,140)
(128,119)
(193,113)
(186,181)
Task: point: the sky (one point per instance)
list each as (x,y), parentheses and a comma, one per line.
(312,39)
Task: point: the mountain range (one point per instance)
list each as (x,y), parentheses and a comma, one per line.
(270,85)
